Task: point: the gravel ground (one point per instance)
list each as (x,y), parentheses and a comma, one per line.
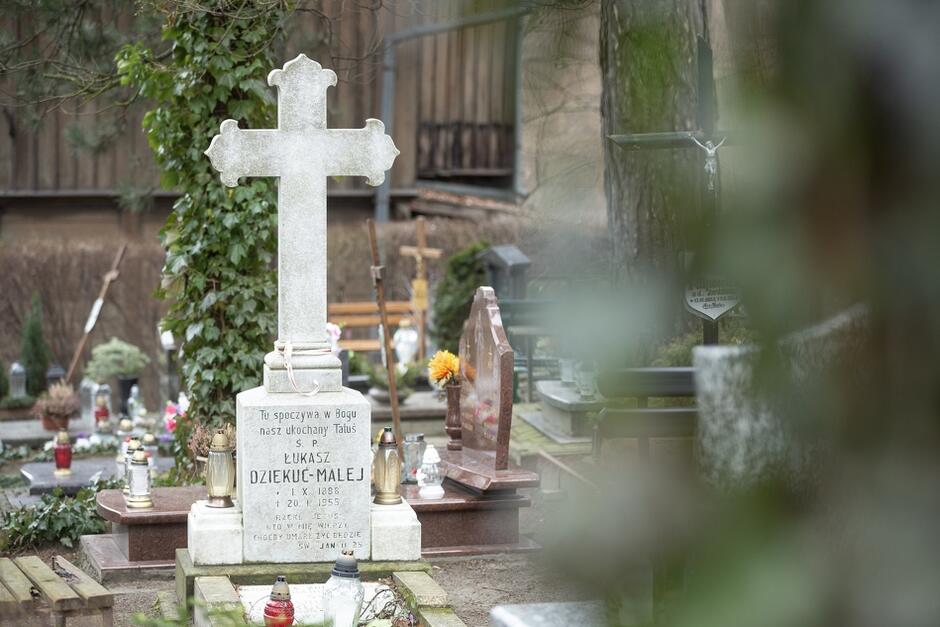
(475,585)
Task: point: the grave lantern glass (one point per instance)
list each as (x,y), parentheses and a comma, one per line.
(63,454)
(86,393)
(279,610)
(54,374)
(343,593)
(139,482)
(132,447)
(386,470)
(431,476)
(17,380)
(414,447)
(220,471)
(102,403)
(149,443)
(585,379)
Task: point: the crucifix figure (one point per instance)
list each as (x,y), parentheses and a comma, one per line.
(419,286)
(711,160)
(302,152)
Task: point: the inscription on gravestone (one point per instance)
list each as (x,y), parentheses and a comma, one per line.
(711,298)
(306,489)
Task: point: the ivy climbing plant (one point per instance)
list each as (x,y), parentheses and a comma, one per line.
(220,242)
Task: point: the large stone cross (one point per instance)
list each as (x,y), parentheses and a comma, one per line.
(302,152)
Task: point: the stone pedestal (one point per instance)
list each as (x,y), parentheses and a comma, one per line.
(565,413)
(303,474)
(215,534)
(396,532)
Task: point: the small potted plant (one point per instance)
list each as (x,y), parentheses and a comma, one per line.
(405,382)
(119,359)
(55,406)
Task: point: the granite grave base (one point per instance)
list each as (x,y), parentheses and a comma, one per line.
(263,574)
(140,538)
(419,594)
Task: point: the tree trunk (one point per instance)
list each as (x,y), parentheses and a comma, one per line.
(649,72)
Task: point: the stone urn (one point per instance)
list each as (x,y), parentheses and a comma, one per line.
(384,397)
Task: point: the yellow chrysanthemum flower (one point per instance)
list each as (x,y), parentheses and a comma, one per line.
(443,368)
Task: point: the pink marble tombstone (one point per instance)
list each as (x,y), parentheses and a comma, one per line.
(486,362)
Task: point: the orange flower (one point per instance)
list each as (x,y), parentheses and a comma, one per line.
(443,368)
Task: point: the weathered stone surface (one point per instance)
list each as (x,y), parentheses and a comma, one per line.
(302,152)
(745,428)
(303,475)
(420,590)
(214,534)
(213,594)
(584,613)
(396,532)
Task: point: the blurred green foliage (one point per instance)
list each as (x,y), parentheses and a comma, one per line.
(34,352)
(220,241)
(454,295)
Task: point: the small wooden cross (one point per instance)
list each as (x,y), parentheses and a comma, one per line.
(419,286)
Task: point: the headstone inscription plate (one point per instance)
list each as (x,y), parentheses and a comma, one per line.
(486,360)
(304,487)
(303,439)
(711,298)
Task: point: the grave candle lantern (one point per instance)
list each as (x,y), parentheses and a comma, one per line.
(139,481)
(220,471)
(431,476)
(132,447)
(102,404)
(17,380)
(63,454)
(386,468)
(343,593)
(149,444)
(414,448)
(585,379)
(279,610)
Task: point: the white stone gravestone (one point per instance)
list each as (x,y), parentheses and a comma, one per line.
(303,439)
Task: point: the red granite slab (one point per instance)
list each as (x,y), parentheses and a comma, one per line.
(170,506)
(476,470)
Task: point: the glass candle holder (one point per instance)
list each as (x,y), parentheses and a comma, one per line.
(17,380)
(102,404)
(63,454)
(139,482)
(414,448)
(220,471)
(279,610)
(133,445)
(343,593)
(152,449)
(386,470)
(585,379)
(430,475)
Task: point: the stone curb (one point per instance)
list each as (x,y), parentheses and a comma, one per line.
(427,599)
(420,590)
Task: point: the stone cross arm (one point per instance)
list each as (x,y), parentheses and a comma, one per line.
(368,152)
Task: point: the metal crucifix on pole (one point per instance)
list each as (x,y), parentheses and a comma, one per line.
(712,298)
(419,286)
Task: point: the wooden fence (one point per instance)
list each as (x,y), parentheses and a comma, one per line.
(453,104)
